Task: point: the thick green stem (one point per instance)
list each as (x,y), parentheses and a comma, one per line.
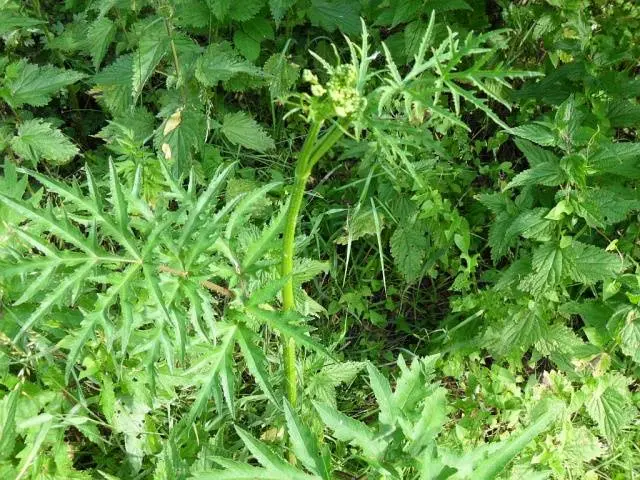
(312,150)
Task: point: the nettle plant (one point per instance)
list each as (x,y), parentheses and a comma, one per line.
(568,225)
(158,300)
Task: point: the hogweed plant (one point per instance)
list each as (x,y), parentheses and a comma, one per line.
(349,101)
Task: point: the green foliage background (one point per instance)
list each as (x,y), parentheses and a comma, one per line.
(466,279)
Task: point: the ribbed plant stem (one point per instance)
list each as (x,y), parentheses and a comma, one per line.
(312,150)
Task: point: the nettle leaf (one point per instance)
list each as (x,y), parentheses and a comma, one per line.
(589,264)
(99,36)
(219,8)
(547,174)
(409,248)
(536,132)
(182,133)
(534,154)
(337,14)
(26,83)
(249,38)
(220,63)
(245,10)
(547,263)
(13,20)
(114,87)
(446,5)
(621,159)
(192,13)
(151,49)
(527,328)
(609,405)
(606,206)
(630,336)
(532,224)
(37,139)
(279,8)
(241,129)
(281,73)
(322,385)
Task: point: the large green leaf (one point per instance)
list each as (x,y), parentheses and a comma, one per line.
(547,268)
(151,49)
(26,83)
(37,139)
(220,63)
(590,264)
(99,36)
(609,407)
(241,129)
(352,431)
(409,248)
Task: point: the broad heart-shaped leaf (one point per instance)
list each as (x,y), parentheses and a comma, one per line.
(281,73)
(526,328)
(246,10)
(12,21)
(337,14)
(535,154)
(241,129)
(630,336)
(182,134)
(37,139)
(25,83)
(279,8)
(608,406)
(589,264)
(99,36)
(409,248)
(352,431)
(220,63)
(246,45)
(536,132)
(304,443)
(547,174)
(606,206)
(114,86)
(621,159)
(322,385)
(219,8)
(547,265)
(152,47)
